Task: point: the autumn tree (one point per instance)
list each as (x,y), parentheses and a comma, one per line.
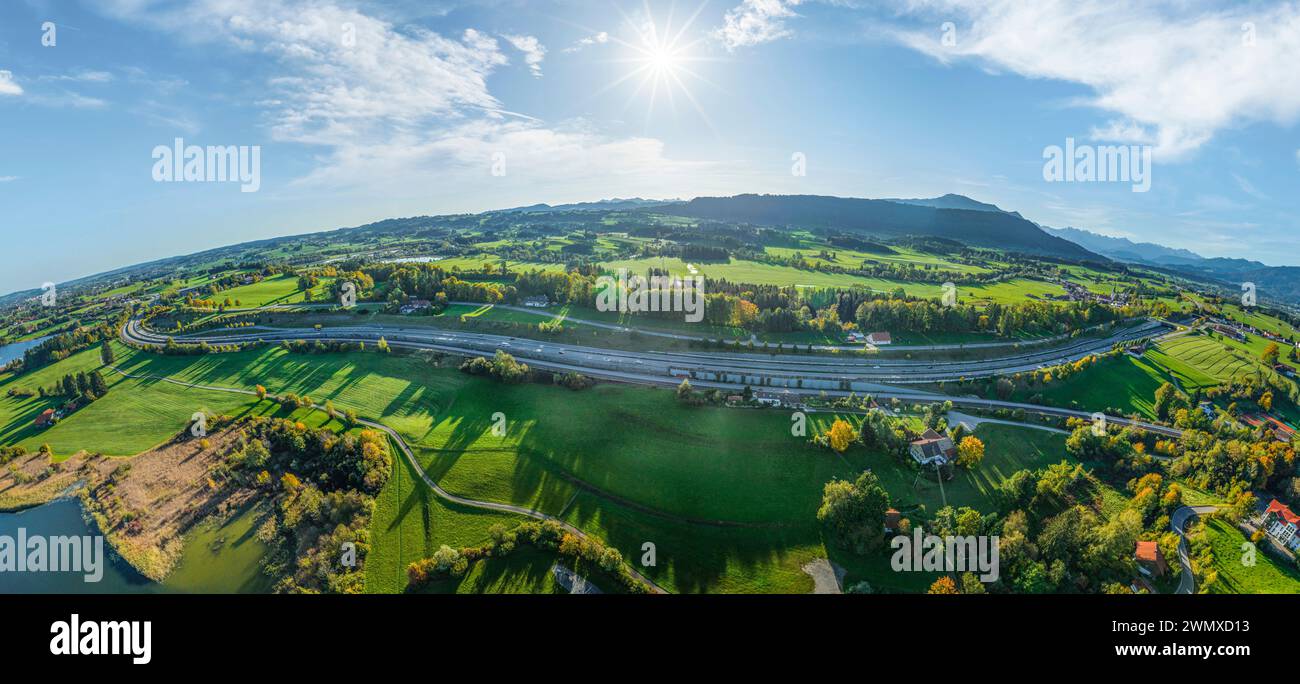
(943,585)
(684,390)
(970,451)
(841,435)
(1270,354)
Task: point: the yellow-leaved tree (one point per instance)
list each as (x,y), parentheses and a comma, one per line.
(841,435)
(970,452)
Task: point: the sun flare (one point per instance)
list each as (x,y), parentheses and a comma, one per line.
(660,60)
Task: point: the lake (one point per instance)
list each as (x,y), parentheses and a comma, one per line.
(217,558)
(15,350)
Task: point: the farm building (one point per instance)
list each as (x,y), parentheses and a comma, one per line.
(785,398)
(1151,561)
(932,449)
(416,305)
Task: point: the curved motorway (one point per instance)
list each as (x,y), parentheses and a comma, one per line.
(796,374)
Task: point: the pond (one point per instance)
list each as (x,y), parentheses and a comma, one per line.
(218,558)
(15,350)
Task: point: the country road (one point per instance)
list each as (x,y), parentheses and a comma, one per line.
(415,463)
(1178,522)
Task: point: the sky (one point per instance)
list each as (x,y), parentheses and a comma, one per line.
(362,110)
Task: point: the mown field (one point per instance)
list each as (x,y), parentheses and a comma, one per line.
(1268,576)
(1198,361)
(739,271)
(281,289)
(728,496)
(1120,383)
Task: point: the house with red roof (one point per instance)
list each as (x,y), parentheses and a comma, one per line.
(1151,561)
(932,449)
(893,519)
(1281,524)
(46,418)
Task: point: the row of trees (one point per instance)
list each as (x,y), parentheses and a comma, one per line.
(584,553)
(81,385)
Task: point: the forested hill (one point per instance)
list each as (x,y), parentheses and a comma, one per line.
(885,218)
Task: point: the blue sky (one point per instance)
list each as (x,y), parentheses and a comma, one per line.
(366,110)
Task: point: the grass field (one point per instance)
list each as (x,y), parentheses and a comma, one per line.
(848,258)
(281,289)
(728,496)
(1121,383)
(739,271)
(1198,361)
(1268,576)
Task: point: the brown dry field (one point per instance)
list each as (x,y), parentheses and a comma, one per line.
(143,511)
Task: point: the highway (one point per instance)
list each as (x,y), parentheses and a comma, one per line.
(728,371)
(850,372)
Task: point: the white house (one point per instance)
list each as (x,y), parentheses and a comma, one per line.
(880,338)
(1281,524)
(932,449)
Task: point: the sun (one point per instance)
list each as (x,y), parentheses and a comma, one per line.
(660,59)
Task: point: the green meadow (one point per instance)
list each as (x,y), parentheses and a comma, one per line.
(281,289)
(1268,575)
(728,496)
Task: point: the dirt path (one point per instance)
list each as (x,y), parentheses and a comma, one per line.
(415,463)
(828,578)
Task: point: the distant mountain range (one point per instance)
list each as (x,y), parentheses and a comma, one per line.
(951,201)
(1271,282)
(615,204)
(1123,249)
(952,216)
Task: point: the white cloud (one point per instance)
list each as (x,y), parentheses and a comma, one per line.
(67,98)
(8,179)
(1174,72)
(534,51)
(7,85)
(547,159)
(402,111)
(595,39)
(82,77)
(754,22)
(335,85)
(1248,187)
